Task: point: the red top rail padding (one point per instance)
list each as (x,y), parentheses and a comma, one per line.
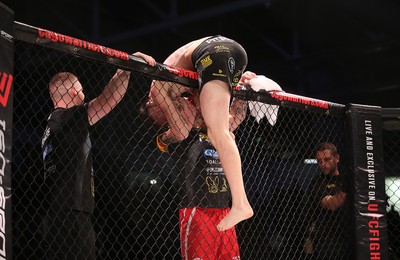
(97,52)
(293,101)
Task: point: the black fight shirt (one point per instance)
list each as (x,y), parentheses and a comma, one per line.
(202,181)
(327,220)
(67,157)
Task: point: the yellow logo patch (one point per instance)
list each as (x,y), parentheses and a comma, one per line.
(206,61)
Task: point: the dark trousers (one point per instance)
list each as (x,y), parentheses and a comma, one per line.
(69,235)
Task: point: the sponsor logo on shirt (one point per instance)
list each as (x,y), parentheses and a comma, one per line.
(211,153)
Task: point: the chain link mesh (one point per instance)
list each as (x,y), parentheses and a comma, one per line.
(391,153)
(136,210)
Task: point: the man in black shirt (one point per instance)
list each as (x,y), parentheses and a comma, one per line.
(67,157)
(204,191)
(329,215)
(205,200)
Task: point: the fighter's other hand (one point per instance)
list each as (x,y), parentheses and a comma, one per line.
(147,58)
(246,76)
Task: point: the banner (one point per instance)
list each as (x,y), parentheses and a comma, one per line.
(366,152)
(6,113)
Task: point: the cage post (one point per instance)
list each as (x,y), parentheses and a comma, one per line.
(364,140)
(6,124)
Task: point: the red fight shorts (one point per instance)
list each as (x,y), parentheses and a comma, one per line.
(200,239)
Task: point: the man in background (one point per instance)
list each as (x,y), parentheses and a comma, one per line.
(67,157)
(328,209)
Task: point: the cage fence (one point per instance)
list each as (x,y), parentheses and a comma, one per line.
(136,189)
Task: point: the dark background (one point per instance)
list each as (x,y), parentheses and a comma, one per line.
(344,51)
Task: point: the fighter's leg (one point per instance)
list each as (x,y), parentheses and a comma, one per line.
(214,103)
